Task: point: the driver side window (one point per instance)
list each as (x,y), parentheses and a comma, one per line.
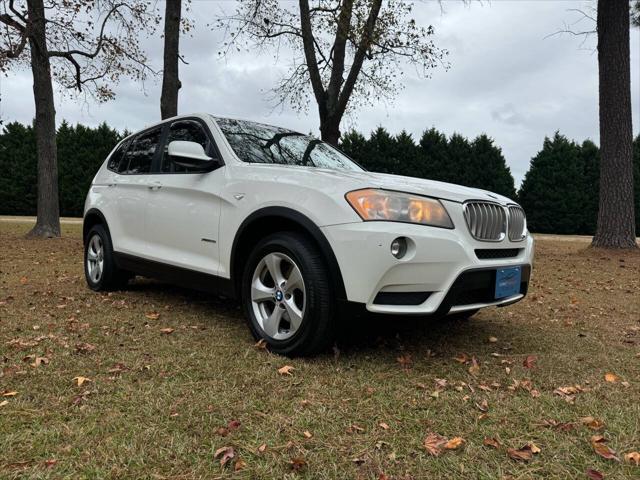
(190,131)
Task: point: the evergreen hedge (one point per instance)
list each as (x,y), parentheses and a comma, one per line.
(559,192)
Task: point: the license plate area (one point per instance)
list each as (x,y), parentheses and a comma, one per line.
(508,282)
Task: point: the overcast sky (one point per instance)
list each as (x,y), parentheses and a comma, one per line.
(507,79)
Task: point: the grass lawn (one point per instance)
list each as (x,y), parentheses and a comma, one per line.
(173,376)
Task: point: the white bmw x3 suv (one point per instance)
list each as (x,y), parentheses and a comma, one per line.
(295,229)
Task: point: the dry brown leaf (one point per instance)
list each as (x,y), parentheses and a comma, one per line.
(594,474)
(530,361)
(534,448)
(297,464)
(233,425)
(225,454)
(523,454)
(493,339)
(222,431)
(632,457)
(81,380)
(40,361)
(152,315)
(404,360)
(261,344)
(262,448)
(10,394)
(454,443)
(50,463)
(384,426)
(4,402)
(24,280)
(592,423)
(240,465)
(462,358)
(611,377)
(167,331)
(85,348)
(355,429)
(483,406)
(307,434)
(433,444)
(598,443)
(474,369)
(491,442)
(286,370)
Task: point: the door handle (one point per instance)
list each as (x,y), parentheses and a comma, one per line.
(154,186)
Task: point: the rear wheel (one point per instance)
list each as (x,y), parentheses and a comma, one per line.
(100,269)
(287,296)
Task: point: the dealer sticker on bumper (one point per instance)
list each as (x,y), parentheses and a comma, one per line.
(508,282)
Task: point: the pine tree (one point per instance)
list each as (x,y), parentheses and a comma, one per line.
(433,155)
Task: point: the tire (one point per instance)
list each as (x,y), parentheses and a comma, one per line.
(304,325)
(108,276)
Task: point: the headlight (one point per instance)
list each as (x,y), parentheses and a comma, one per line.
(372,204)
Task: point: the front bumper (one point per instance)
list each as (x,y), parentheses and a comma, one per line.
(437,275)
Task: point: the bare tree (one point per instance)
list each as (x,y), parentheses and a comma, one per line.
(616,221)
(170,79)
(344,52)
(84,45)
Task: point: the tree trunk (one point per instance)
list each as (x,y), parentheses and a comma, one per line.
(170,80)
(616,222)
(330,130)
(48,222)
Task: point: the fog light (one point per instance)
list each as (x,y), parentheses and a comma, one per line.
(399,247)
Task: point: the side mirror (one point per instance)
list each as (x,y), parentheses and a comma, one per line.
(189,154)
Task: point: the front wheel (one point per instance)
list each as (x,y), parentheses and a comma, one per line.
(287,295)
(100,269)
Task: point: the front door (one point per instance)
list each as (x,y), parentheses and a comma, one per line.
(183,208)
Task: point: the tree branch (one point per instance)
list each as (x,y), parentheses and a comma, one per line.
(310,53)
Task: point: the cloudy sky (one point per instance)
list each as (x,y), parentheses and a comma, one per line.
(507,79)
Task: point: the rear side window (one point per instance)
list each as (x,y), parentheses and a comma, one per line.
(189,131)
(116,163)
(139,156)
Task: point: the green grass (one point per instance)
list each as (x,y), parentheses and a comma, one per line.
(159,416)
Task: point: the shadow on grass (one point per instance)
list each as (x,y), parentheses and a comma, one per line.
(363,333)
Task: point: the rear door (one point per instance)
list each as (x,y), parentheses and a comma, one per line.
(183,212)
(131,189)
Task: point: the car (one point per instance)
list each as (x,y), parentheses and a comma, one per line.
(296,230)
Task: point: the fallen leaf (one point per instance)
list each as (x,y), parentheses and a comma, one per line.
(462,358)
(286,370)
(592,423)
(474,369)
(9,394)
(240,464)
(4,402)
(404,360)
(50,463)
(534,448)
(594,474)
(384,426)
(233,425)
(491,442)
(81,380)
(307,434)
(454,443)
(222,431)
(24,280)
(152,315)
(40,361)
(598,443)
(493,339)
(85,348)
(262,448)
(611,377)
(225,454)
(530,361)
(297,464)
(167,331)
(523,454)
(632,457)
(433,444)
(261,344)
(483,406)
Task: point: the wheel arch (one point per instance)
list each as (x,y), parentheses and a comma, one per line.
(91,218)
(276,219)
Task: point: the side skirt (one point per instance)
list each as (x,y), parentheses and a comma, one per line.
(183,277)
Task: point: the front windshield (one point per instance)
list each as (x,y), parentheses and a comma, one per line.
(257,143)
